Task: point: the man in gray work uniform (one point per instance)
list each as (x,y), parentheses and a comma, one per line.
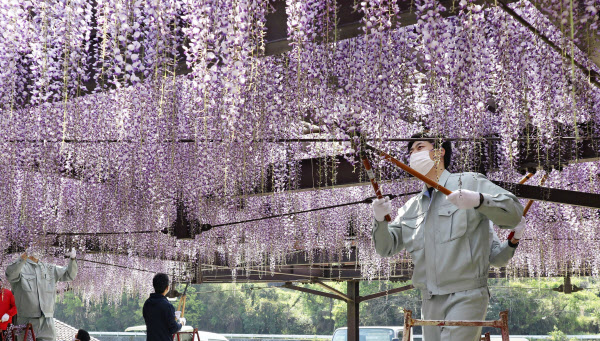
(33,284)
(448,238)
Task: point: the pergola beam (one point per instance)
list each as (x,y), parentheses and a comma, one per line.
(334,291)
(559,196)
(294,274)
(289,285)
(385,293)
(225,276)
(312,177)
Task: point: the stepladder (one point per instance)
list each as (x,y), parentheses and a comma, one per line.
(501,323)
(187,336)
(13,333)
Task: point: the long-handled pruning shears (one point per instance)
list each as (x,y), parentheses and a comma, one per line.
(181,305)
(367,164)
(432,183)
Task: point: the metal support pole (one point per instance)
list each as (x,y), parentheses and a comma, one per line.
(504,326)
(501,323)
(352,310)
(408,323)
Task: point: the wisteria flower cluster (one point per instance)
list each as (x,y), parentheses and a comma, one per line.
(121,117)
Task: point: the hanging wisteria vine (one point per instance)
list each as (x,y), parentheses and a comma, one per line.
(119,117)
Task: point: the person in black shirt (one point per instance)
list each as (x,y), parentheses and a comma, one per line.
(159,313)
(82,335)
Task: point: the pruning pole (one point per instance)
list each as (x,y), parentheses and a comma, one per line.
(183,299)
(421,177)
(530,202)
(411,171)
(371,175)
(181,304)
(525,178)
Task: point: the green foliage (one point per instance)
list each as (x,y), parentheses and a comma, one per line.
(103,317)
(266,309)
(557,335)
(534,309)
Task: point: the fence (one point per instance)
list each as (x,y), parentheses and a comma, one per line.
(129,336)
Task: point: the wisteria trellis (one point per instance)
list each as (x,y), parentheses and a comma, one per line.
(120,157)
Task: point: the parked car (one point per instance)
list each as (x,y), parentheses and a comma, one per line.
(371,334)
(186,334)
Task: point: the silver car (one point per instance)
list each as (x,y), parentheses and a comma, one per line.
(371,334)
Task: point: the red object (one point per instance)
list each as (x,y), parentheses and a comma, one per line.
(7,306)
(511,235)
(28,335)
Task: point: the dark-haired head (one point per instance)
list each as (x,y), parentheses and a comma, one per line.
(160,282)
(437,141)
(82,335)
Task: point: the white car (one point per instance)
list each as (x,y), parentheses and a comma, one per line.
(371,334)
(185,334)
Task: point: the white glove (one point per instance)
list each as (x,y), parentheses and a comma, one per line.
(519,229)
(73,253)
(182,321)
(177,314)
(464,199)
(5,318)
(381,208)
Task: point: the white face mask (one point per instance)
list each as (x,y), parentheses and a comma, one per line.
(421,162)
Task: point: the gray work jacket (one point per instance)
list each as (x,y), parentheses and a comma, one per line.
(34,285)
(450,248)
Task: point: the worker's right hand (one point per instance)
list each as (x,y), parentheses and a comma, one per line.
(177,314)
(381,208)
(5,318)
(182,321)
(24,255)
(519,229)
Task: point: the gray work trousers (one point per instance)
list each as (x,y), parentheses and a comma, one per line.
(43,327)
(462,305)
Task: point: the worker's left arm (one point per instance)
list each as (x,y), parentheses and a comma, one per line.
(501,252)
(172,323)
(498,204)
(68,273)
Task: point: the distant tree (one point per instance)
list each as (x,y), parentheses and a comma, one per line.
(262,309)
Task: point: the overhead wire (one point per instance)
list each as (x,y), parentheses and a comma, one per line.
(364,201)
(287,140)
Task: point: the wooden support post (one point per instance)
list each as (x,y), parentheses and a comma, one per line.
(353,310)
